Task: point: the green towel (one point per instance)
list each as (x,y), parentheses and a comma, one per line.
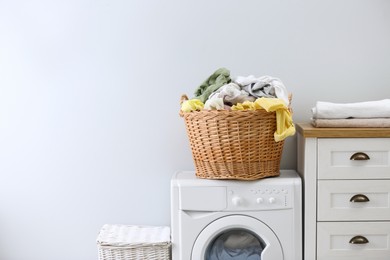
(219,78)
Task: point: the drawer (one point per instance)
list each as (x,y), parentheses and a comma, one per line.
(340,200)
(353,158)
(353,240)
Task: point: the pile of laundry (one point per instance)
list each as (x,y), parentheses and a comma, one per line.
(239,245)
(221,92)
(359,114)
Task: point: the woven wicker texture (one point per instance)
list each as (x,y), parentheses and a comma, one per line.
(143,253)
(122,242)
(233,144)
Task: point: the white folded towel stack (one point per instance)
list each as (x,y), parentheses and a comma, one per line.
(369,109)
(360,114)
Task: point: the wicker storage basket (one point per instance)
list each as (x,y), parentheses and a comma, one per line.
(233,144)
(122,242)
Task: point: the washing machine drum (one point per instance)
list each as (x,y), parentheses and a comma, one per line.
(237,237)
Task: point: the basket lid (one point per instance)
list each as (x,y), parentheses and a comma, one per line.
(126,235)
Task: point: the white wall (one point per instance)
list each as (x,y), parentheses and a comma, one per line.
(89,99)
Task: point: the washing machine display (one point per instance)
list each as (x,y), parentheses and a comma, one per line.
(220,219)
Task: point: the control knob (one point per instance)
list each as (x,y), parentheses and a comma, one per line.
(259,200)
(237,201)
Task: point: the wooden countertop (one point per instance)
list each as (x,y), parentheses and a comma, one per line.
(307,130)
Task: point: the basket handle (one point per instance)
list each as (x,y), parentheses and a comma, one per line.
(183,98)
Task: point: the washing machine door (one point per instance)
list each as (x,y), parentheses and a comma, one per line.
(237,237)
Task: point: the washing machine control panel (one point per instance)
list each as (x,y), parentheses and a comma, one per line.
(259,198)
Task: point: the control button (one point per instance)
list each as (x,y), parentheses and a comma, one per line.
(259,200)
(272,200)
(285,191)
(276,191)
(237,201)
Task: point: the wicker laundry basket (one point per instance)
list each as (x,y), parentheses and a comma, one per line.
(122,242)
(233,144)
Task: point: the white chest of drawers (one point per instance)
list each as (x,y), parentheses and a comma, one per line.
(346,177)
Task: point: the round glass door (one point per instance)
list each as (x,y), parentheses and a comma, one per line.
(237,237)
(235,244)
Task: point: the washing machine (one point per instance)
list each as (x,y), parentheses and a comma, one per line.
(232,219)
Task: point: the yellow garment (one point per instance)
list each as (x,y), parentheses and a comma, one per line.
(192,105)
(284,123)
(246,105)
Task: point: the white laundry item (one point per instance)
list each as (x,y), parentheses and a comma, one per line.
(368,109)
(231,94)
(265,86)
(214,104)
(352,122)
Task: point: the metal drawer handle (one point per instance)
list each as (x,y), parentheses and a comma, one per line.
(359,198)
(359,240)
(359,156)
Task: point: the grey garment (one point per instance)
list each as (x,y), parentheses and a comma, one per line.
(260,89)
(265,86)
(232,94)
(235,245)
(257,87)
